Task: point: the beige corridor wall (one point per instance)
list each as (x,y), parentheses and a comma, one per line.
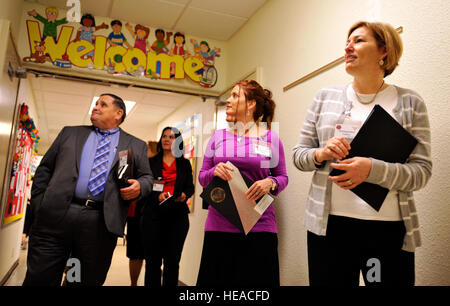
(291,38)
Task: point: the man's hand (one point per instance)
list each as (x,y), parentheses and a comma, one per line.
(131,192)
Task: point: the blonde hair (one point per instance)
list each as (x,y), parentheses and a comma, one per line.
(386,36)
(51,10)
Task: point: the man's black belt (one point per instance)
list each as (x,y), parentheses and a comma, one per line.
(88,203)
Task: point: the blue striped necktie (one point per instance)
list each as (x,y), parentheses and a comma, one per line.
(97,179)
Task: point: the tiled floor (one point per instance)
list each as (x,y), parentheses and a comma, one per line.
(118,274)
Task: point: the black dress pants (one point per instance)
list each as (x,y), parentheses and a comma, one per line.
(239,260)
(353,245)
(164,238)
(82,236)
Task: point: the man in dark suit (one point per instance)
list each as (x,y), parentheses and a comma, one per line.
(78,206)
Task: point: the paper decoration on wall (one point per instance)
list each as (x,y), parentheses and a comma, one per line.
(28,124)
(20,172)
(163,59)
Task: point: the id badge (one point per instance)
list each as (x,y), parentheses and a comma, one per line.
(158,185)
(348,130)
(123,158)
(261,149)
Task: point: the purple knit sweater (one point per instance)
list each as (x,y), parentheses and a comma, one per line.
(222,147)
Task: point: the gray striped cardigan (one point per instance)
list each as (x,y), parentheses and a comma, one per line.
(327,110)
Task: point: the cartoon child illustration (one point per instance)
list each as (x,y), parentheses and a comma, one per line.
(87,30)
(160,45)
(178,49)
(50,24)
(204,52)
(116,37)
(178,45)
(140,34)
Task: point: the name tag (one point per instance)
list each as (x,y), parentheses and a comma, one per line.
(158,185)
(348,131)
(262,150)
(123,158)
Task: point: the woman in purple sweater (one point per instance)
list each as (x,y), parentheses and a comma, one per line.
(229,257)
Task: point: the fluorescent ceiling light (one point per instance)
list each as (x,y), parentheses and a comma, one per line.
(128,105)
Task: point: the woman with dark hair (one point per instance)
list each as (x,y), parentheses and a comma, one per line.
(231,258)
(165,221)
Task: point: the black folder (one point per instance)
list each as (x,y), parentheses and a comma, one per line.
(380,137)
(218,195)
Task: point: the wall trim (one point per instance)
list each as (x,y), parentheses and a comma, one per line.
(8,274)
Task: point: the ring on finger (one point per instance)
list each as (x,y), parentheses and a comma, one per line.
(349,182)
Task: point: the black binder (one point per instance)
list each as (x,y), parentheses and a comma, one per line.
(218,195)
(380,137)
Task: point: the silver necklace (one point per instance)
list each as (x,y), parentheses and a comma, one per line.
(239,138)
(373,99)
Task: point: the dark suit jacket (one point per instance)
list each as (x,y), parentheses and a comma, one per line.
(183,183)
(56,178)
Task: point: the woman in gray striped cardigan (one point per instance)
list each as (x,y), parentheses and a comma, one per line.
(345,234)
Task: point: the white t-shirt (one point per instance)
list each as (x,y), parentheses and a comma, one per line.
(345,202)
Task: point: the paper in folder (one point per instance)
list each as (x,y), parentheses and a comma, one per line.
(229,199)
(380,137)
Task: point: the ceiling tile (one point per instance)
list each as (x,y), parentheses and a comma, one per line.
(69,87)
(170,101)
(125,93)
(151,112)
(152,13)
(97,7)
(209,24)
(179,2)
(237,8)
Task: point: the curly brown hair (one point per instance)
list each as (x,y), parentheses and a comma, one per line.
(265,106)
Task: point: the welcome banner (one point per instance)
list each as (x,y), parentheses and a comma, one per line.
(85,45)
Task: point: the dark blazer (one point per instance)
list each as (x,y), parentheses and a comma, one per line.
(56,178)
(183,183)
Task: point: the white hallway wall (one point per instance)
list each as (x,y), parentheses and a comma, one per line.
(291,38)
